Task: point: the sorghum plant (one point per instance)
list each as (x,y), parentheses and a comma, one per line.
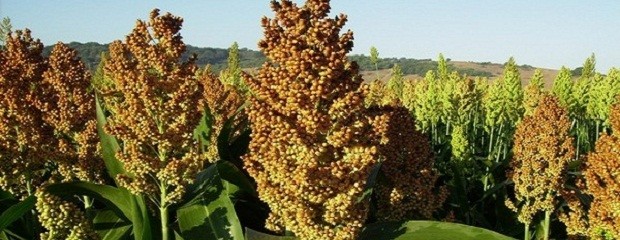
(154,101)
(222,101)
(24,137)
(562,88)
(409,191)
(542,151)
(395,85)
(311,150)
(603,182)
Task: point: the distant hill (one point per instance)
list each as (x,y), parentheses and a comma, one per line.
(91,53)
(251,59)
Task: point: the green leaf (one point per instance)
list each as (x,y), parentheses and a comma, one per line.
(111,227)
(177,236)
(4,195)
(6,200)
(141,219)
(16,211)
(427,230)
(109,146)
(234,181)
(117,199)
(203,131)
(495,189)
(251,234)
(211,214)
(232,147)
(370,183)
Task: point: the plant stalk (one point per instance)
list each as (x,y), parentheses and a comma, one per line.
(527,232)
(163,213)
(546,226)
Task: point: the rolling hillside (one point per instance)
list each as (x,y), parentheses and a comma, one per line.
(251,59)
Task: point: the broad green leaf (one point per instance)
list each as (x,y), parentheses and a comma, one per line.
(109,145)
(211,214)
(427,230)
(251,234)
(16,212)
(141,219)
(116,199)
(3,236)
(110,227)
(232,147)
(234,181)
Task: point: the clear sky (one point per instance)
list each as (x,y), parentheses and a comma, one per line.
(547,33)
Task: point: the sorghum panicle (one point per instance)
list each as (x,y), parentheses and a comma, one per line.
(410,191)
(311,150)
(223,102)
(154,101)
(23,134)
(69,108)
(62,219)
(542,151)
(602,177)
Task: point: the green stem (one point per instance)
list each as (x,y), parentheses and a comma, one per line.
(29,186)
(491,139)
(597,130)
(505,151)
(486,174)
(527,232)
(88,206)
(88,202)
(578,142)
(163,213)
(546,225)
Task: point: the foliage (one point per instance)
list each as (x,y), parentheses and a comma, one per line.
(427,230)
(90,53)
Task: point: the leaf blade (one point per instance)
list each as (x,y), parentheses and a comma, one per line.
(109,145)
(16,211)
(211,215)
(427,230)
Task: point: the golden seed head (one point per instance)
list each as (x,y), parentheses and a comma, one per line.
(542,151)
(155,103)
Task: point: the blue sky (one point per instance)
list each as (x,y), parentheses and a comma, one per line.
(547,34)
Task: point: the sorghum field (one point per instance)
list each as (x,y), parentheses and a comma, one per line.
(150,146)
